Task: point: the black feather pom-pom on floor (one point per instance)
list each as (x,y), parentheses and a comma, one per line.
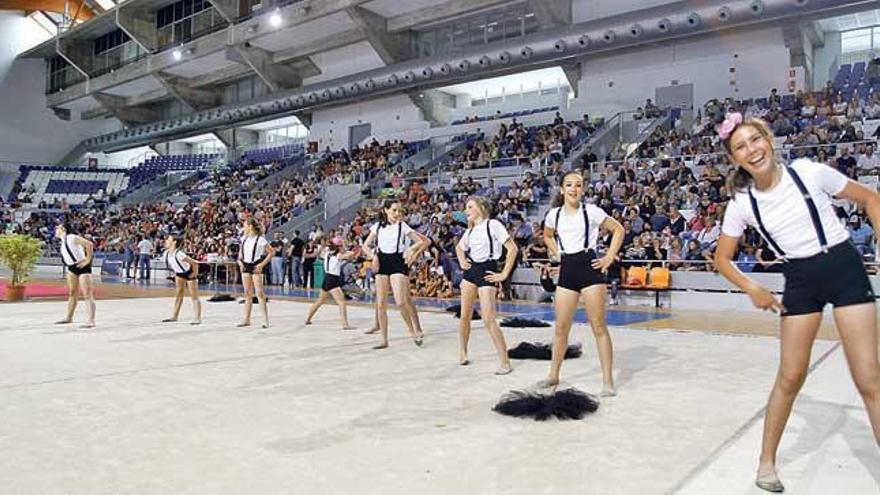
(538,350)
(518,322)
(456,308)
(570,403)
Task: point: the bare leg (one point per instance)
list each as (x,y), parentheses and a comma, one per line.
(339,297)
(72,297)
(858,332)
(594,302)
(178,298)
(797,336)
(197,304)
(261,296)
(487,305)
(315,305)
(375,321)
(382,286)
(247,281)
(85,283)
(400,288)
(565,306)
(468,296)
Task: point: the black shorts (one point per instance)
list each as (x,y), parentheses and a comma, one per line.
(576,271)
(331,282)
(392,263)
(249,267)
(837,277)
(476,274)
(187,275)
(80,271)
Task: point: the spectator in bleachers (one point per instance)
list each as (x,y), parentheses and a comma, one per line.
(872,73)
(145,254)
(846,163)
(868,162)
(862,235)
(652,111)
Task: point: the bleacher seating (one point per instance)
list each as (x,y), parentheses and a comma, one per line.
(852,78)
(507,115)
(75,185)
(267,155)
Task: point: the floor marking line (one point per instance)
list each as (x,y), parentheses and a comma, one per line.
(713,456)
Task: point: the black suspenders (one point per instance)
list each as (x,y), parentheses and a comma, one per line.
(586,228)
(811,206)
(179,264)
(399,236)
(254,250)
(67,248)
(491,242)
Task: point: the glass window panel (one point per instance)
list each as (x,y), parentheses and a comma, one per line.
(494,31)
(856,43)
(202,22)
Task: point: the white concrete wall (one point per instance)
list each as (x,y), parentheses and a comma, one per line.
(387,115)
(121,159)
(587,10)
(825,60)
(30,132)
(623,80)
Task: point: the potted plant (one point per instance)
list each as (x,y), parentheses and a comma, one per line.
(20,253)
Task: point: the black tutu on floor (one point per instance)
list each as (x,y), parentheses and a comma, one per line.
(539,350)
(221,298)
(570,403)
(456,308)
(517,322)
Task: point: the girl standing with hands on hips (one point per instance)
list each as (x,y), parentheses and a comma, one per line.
(791,207)
(478,253)
(571,231)
(389,235)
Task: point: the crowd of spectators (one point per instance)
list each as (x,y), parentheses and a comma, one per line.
(669,192)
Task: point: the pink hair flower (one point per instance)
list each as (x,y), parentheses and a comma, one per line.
(725,129)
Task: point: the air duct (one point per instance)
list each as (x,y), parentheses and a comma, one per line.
(544,48)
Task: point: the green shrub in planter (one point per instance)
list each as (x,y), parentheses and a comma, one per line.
(20,253)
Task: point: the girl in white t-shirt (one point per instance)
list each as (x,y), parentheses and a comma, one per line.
(186,275)
(253,257)
(333,256)
(571,231)
(77,254)
(791,207)
(479,251)
(393,257)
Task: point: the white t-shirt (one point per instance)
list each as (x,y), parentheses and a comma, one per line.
(252,248)
(571,229)
(391,238)
(70,247)
(785,214)
(145,247)
(332,264)
(868,162)
(476,240)
(176,261)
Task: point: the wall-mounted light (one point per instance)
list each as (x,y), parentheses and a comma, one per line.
(275,19)
(177,54)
